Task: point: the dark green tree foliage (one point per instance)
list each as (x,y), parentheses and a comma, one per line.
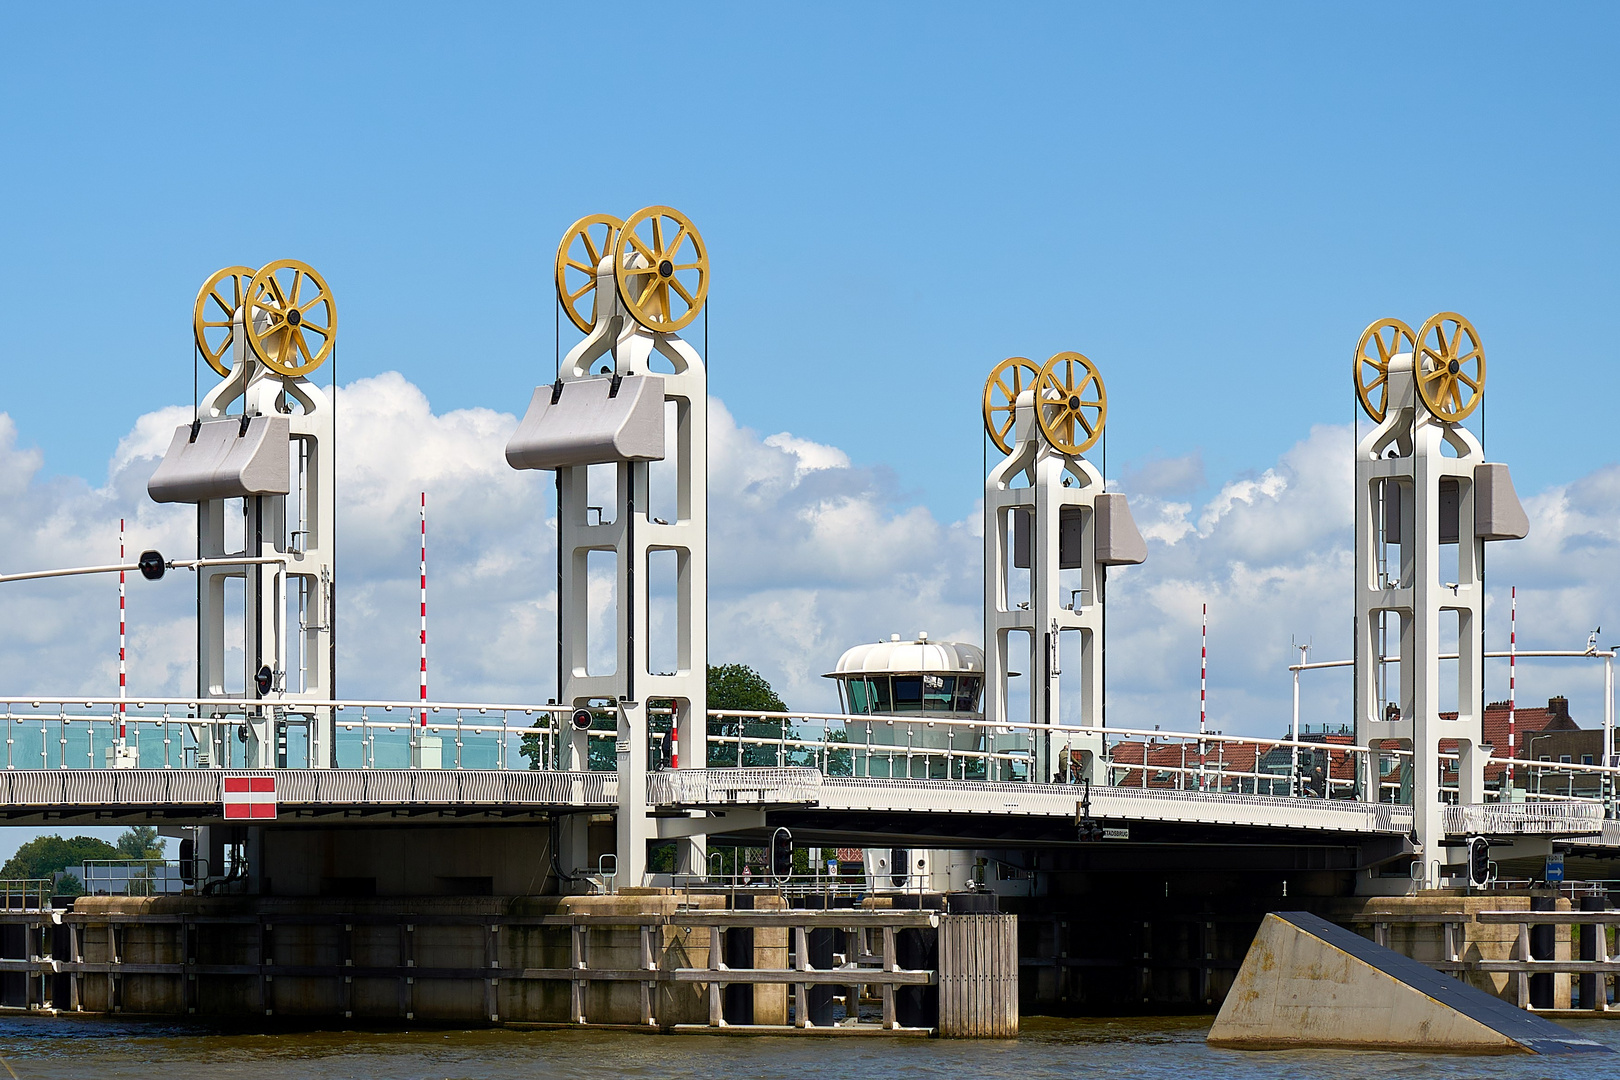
(140,842)
(45,855)
(738,686)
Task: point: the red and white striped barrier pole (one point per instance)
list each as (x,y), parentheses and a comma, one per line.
(1203,683)
(122,676)
(424,609)
(1513,658)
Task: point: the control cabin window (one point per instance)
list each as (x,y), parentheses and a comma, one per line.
(912,693)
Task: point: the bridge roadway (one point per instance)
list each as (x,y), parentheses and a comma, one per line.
(845,810)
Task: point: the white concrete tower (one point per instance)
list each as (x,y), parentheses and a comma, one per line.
(1426,503)
(270,465)
(617,393)
(1045,510)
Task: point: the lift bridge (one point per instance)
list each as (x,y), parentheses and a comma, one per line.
(639,752)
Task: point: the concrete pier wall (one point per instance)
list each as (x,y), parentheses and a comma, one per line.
(1416,927)
(354,957)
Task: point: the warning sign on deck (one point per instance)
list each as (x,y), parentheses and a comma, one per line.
(250,797)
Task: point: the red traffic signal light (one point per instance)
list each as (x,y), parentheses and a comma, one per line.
(582,719)
(151,564)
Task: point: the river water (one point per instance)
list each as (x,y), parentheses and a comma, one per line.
(1154,1048)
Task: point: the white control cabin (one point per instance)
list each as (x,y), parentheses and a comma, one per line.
(909,688)
(923,677)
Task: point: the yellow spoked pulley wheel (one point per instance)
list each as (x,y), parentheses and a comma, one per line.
(1380,343)
(1450,367)
(291,317)
(662,268)
(215,311)
(1072,404)
(582,248)
(1007,380)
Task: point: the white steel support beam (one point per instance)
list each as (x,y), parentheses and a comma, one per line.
(295,569)
(1401,467)
(1057,483)
(633,535)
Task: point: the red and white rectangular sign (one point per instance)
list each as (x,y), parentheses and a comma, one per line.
(250,797)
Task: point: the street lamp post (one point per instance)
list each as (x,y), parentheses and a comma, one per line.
(1530,756)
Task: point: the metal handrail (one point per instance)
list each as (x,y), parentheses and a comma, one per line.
(1523,818)
(525,737)
(15,893)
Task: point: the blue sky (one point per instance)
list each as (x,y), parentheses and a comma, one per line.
(1211,201)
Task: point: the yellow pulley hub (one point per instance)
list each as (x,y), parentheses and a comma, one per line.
(1380,343)
(1007,380)
(291,317)
(1449,367)
(1071,403)
(662,268)
(214,313)
(581,250)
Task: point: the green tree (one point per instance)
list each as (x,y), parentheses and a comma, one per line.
(738,686)
(46,855)
(140,842)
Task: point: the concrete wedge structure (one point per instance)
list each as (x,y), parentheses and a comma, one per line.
(1307,983)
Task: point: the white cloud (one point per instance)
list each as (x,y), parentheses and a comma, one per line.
(812,456)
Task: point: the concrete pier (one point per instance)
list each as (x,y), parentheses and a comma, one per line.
(1441,928)
(649,959)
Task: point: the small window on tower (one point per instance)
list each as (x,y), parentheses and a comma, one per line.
(939,692)
(908,693)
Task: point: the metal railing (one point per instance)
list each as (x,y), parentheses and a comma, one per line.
(134,877)
(731,787)
(181,733)
(754,876)
(26,894)
(1526,818)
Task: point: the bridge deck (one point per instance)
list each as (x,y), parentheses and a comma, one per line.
(196,795)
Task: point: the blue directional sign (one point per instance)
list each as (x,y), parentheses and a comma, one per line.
(1555,868)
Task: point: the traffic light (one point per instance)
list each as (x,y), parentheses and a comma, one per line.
(1479,862)
(188,860)
(263,679)
(781,854)
(1089,828)
(582,719)
(151,564)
